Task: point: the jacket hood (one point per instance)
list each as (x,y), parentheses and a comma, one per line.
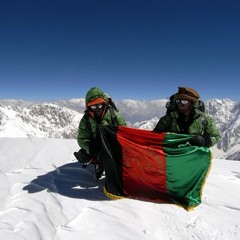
(95,93)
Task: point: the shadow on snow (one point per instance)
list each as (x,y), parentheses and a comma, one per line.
(70,180)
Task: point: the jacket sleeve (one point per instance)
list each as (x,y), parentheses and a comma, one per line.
(163,124)
(84,134)
(212,131)
(120,120)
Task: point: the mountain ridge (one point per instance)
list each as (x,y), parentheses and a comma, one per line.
(60,119)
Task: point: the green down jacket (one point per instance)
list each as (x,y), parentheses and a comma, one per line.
(87,129)
(202,124)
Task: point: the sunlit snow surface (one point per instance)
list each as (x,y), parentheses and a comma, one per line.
(46,194)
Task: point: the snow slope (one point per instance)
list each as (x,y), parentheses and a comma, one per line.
(45,194)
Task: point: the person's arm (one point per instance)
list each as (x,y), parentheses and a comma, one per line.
(120,119)
(84,134)
(162,125)
(212,131)
(209,137)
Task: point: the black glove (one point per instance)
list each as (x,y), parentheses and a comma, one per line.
(199,140)
(82,156)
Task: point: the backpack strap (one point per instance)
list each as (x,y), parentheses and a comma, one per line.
(171,104)
(201,105)
(113,115)
(112,104)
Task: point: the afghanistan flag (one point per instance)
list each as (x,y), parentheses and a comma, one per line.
(158,167)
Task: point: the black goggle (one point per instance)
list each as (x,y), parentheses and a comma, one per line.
(182,101)
(94,107)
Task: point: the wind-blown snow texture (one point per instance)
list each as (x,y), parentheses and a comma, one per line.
(60,119)
(46,194)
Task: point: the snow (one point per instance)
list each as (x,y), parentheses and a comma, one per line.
(46,194)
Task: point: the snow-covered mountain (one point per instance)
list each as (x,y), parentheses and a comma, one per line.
(41,120)
(227,115)
(60,119)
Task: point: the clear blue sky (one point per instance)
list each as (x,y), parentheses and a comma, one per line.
(132,49)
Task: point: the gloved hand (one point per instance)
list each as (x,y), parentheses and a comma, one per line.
(82,156)
(198,140)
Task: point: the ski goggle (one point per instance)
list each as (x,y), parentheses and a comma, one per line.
(94,107)
(182,101)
